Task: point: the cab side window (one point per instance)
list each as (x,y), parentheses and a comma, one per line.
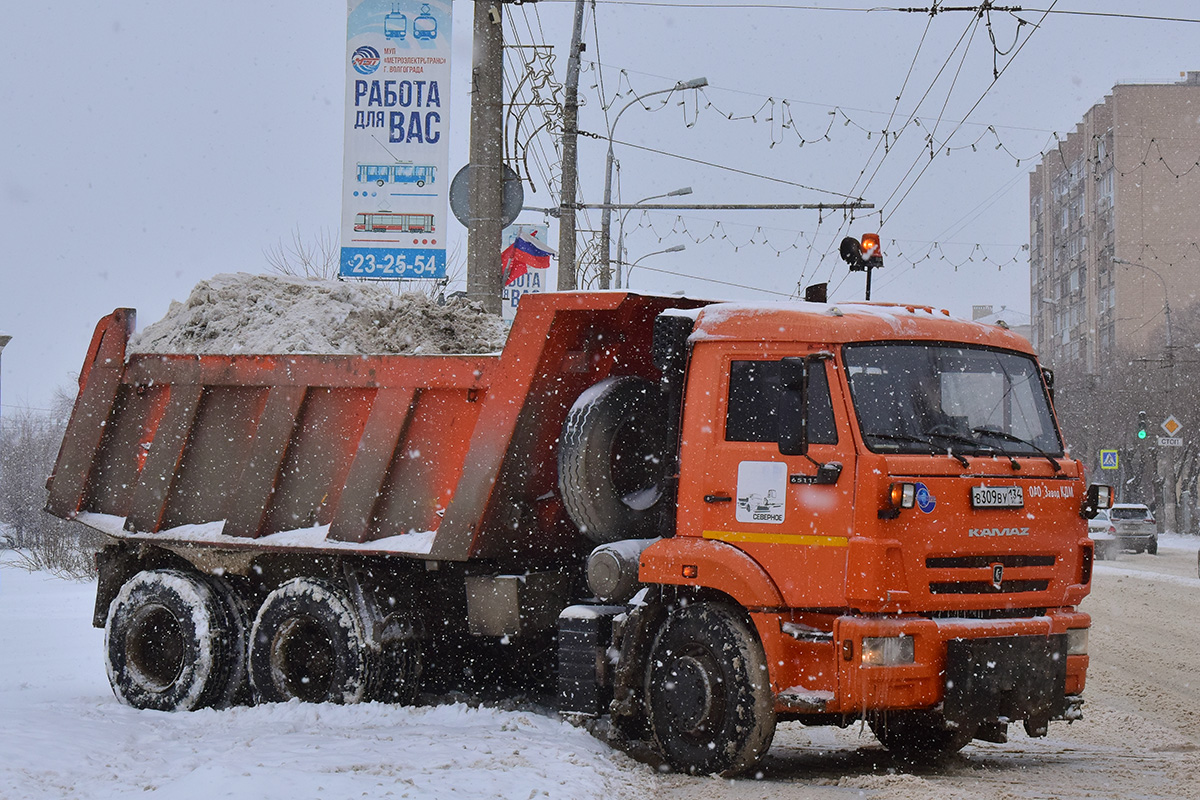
(754,390)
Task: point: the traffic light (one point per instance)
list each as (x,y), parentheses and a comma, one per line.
(1142,425)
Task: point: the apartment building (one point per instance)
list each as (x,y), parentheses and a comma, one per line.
(1114,216)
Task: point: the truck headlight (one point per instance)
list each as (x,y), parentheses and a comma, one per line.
(1077,641)
(887,651)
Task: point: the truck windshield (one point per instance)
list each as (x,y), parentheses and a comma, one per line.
(937,398)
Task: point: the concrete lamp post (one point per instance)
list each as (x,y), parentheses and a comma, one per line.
(606,213)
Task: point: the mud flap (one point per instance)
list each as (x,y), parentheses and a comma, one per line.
(1009,678)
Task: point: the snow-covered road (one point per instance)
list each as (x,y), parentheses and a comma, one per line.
(63,735)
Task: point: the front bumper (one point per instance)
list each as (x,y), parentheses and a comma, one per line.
(982,669)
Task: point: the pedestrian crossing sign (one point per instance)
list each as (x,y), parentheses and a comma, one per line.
(1108,459)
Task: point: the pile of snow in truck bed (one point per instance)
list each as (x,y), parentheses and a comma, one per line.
(244,313)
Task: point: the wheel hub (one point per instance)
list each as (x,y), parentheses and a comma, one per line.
(154,647)
(303,660)
(692,696)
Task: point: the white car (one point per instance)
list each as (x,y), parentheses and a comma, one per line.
(1136,528)
(1104,534)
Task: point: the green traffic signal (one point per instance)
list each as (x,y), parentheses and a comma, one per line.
(1142,433)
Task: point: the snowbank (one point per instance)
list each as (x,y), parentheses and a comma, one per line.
(65,735)
(244,313)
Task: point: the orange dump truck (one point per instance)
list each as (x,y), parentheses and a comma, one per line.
(699,518)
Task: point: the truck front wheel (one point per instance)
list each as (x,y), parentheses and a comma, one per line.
(709,697)
(308,643)
(168,644)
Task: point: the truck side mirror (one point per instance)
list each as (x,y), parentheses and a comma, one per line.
(1048,377)
(793,406)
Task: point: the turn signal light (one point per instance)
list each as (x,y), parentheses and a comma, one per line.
(904,495)
(900,495)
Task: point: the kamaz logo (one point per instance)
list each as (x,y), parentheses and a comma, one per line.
(998,532)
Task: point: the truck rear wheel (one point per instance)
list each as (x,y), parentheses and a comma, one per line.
(921,735)
(167,642)
(308,643)
(611,468)
(237,634)
(709,698)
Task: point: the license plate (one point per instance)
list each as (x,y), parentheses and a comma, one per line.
(997,497)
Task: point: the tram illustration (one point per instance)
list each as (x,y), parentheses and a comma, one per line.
(393,222)
(424,26)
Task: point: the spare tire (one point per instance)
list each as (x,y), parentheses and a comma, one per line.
(611,459)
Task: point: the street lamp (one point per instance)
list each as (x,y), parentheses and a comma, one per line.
(1166,310)
(675,248)
(621,225)
(606,213)
(1165,467)
(4,340)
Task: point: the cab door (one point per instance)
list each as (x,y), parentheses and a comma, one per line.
(736,487)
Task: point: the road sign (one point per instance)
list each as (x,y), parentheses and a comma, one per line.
(1171,425)
(1108,459)
(1170,441)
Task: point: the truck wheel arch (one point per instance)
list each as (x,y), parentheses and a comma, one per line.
(716,565)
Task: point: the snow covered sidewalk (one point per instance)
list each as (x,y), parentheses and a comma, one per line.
(64,735)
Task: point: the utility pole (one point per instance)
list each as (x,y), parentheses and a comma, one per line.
(570,159)
(484,279)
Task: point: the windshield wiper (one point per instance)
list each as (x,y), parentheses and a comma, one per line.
(901,437)
(1008,437)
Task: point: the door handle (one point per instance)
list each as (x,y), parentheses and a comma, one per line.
(717,498)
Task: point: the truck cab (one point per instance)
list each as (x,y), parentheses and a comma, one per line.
(884,491)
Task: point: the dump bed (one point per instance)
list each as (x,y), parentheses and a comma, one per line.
(438,457)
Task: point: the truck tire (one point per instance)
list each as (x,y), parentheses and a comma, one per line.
(920,736)
(708,695)
(166,642)
(237,691)
(308,643)
(611,466)
(400,662)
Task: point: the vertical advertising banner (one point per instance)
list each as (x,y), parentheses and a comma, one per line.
(525,263)
(395,186)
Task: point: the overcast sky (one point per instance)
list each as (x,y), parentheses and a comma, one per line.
(150,145)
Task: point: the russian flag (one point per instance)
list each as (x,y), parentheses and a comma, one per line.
(523,255)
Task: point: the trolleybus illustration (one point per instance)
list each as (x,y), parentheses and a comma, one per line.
(420,174)
(425,26)
(399,173)
(393,222)
(395,24)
